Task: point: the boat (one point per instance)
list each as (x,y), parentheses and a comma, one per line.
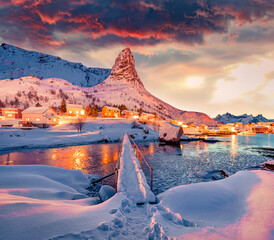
(210,140)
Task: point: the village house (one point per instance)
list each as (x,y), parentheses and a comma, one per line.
(191,131)
(130,114)
(238,125)
(111,112)
(40,116)
(11,113)
(75,110)
(147,116)
(203,127)
(260,129)
(227,129)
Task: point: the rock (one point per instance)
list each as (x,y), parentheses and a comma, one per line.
(223,173)
(268,165)
(106,192)
(170,133)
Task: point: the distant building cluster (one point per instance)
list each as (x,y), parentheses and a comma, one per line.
(226,129)
(47,116)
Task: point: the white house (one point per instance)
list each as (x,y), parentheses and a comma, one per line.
(40,116)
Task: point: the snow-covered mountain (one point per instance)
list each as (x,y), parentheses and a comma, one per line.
(123,86)
(16,62)
(127,88)
(197,118)
(229,118)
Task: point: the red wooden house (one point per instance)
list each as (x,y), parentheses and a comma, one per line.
(12,113)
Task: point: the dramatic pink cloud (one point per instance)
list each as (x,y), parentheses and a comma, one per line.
(171,39)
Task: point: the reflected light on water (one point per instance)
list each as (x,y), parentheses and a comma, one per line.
(151,148)
(115,157)
(198,146)
(70,158)
(234,145)
(105,155)
(80,156)
(247,140)
(205,147)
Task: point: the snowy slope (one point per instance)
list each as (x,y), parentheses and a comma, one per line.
(16,62)
(123,86)
(28,91)
(197,118)
(229,118)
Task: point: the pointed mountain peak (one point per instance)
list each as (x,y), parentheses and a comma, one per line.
(124,68)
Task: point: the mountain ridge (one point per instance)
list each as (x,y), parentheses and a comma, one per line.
(17,62)
(122,86)
(244,118)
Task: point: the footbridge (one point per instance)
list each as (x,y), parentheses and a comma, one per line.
(131,179)
(129,175)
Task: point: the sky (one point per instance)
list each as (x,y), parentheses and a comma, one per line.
(213,56)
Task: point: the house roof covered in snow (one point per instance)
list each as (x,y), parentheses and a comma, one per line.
(147,114)
(36,110)
(10,109)
(112,108)
(126,111)
(75,106)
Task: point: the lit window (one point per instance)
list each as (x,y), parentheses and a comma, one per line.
(70,111)
(82,112)
(77,112)
(54,119)
(10,115)
(27,119)
(37,119)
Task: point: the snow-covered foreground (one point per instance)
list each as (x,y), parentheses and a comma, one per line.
(94,131)
(41,202)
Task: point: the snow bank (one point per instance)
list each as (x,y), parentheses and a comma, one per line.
(94,131)
(42,202)
(238,207)
(44,182)
(131,179)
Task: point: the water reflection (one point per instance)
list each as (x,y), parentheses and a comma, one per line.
(91,159)
(197,161)
(198,146)
(188,162)
(234,146)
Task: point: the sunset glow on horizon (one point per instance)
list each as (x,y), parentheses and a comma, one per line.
(197,55)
